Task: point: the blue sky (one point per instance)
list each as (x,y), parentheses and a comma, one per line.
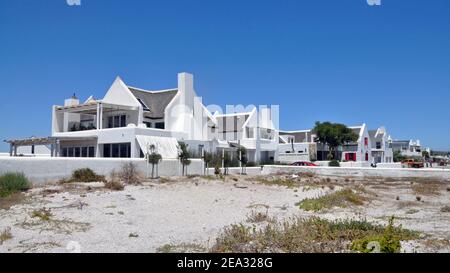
(343,61)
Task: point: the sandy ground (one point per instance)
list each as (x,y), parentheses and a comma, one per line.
(89,218)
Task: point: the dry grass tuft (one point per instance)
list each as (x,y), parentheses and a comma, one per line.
(445,209)
(43,214)
(181,248)
(259,217)
(427,189)
(114,185)
(11,200)
(5,235)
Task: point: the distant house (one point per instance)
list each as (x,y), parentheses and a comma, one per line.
(381,146)
(359,151)
(301,145)
(296,146)
(408,148)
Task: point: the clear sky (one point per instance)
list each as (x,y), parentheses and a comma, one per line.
(342,61)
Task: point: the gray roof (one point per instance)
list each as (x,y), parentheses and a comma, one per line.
(156,101)
(373,134)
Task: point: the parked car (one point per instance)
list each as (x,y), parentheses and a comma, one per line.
(304,164)
(411,163)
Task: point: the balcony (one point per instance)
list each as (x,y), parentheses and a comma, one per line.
(81,126)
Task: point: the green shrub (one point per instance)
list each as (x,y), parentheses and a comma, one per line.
(334,163)
(13,182)
(86,175)
(310,235)
(341,198)
(388,241)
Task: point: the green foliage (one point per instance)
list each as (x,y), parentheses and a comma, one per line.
(153,158)
(334,134)
(13,182)
(86,175)
(341,198)
(43,214)
(184,156)
(398,157)
(306,236)
(388,241)
(334,163)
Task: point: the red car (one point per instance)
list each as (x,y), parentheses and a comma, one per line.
(304,164)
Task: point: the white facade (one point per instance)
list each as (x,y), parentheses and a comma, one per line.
(381,146)
(359,151)
(127,117)
(408,148)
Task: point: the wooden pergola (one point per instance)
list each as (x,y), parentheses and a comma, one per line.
(32,141)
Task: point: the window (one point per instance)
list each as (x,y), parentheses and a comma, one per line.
(106,150)
(159,125)
(70,152)
(117,150)
(378,145)
(91,151)
(366,141)
(64,152)
(110,122)
(77,152)
(84,152)
(350,157)
(117,121)
(149,124)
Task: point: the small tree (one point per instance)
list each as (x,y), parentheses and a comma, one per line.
(242,155)
(207,159)
(398,157)
(426,155)
(184,157)
(333,135)
(226,162)
(154,158)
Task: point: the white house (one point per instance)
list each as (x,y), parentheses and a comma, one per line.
(408,148)
(381,146)
(129,119)
(359,151)
(296,146)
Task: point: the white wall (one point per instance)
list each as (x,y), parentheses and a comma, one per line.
(48,170)
(185,113)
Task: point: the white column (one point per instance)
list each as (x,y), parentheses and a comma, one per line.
(98,116)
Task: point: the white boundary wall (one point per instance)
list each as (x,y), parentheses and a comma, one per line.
(362,172)
(47,170)
(348,172)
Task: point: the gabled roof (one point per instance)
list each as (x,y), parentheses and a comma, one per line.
(153,102)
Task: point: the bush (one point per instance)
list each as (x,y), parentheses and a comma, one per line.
(114,185)
(86,175)
(341,198)
(310,235)
(334,163)
(13,182)
(388,241)
(129,174)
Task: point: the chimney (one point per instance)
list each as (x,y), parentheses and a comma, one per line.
(72,101)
